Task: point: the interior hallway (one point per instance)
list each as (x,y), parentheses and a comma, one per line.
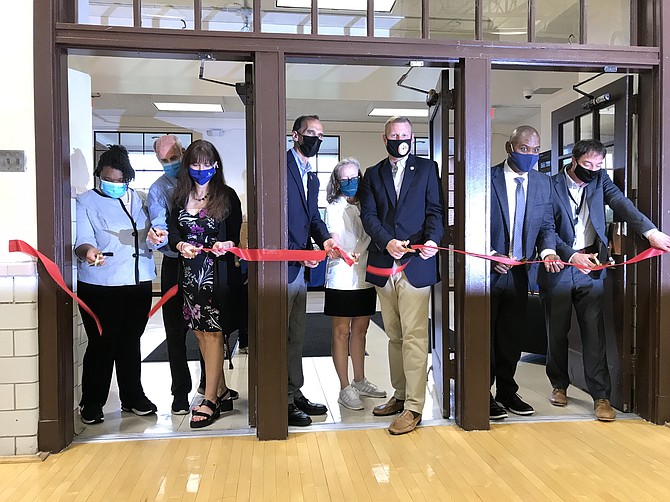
(623,460)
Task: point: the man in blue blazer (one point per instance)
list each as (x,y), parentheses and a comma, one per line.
(304,225)
(579,195)
(522,227)
(401,204)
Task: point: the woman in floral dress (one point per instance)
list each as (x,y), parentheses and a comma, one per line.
(204,223)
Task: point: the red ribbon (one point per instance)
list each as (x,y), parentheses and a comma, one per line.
(261,255)
(283,254)
(164,299)
(387,272)
(295,255)
(54,273)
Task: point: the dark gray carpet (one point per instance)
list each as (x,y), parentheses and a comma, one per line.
(160,355)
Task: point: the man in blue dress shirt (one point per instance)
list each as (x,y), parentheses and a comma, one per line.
(169,151)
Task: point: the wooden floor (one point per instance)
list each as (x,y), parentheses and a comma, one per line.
(624,460)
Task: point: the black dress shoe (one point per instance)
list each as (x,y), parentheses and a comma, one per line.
(310,408)
(297,417)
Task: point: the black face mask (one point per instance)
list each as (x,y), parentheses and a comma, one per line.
(397,148)
(585,175)
(310,145)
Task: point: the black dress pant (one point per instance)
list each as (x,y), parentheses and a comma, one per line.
(509,297)
(586,294)
(122,311)
(175,329)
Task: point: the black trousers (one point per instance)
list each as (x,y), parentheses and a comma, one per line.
(509,298)
(122,311)
(244,315)
(586,294)
(175,329)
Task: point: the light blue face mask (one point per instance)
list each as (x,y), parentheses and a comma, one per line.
(172,168)
(113,190)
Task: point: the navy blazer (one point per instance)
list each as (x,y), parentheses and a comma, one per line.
(415,216)
(304,219)
(538,225)
(599,192)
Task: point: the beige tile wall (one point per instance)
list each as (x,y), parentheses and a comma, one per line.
(19,375)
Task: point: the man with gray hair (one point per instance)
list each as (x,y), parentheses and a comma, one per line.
(169,152)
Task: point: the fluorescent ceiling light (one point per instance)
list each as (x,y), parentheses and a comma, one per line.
(362,5)
(189,107)
(403,112)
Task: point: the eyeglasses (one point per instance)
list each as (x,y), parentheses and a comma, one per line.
(202,166)
(348,181)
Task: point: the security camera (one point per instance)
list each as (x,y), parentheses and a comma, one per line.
(528,93)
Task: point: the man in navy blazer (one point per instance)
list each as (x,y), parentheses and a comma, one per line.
(401,205)
(579,195)
(304,225)
(522,227)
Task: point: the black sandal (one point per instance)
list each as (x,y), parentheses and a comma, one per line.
(209,419)
(225,401)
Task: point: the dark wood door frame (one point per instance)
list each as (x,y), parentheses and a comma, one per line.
(56,390)
(652,386)
(472,140)
(53,40)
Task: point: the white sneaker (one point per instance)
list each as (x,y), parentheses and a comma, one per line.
(349,398)
(367,388)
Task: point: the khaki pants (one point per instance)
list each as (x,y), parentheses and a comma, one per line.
(405,314)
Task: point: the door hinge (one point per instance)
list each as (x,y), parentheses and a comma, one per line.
(633,362)
(634,104)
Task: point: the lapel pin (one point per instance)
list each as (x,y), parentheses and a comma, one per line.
(411,168)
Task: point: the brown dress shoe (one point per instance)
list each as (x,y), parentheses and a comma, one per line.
(603,410)
(558,397)
(391,407)
(406,422)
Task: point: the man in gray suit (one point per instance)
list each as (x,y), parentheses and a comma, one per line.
(522,227)
(579,195)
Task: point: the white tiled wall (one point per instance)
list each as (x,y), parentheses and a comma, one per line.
(19,375)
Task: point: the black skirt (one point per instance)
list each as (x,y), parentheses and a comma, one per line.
(350,302)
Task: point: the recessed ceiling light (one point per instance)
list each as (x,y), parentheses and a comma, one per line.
(362,5)
(401,112)
(189,107)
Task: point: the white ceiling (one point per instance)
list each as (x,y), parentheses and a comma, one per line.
(126,87)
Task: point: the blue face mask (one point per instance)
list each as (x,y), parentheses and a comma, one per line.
(349,187)
(524,162)
(172,168)
(113,190)
(201,177)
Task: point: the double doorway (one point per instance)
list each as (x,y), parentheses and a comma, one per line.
(460,364)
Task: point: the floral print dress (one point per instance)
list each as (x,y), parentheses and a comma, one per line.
(202,307)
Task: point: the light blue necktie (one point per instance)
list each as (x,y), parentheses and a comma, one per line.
(519,213)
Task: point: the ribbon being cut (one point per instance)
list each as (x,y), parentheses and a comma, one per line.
(292,255)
